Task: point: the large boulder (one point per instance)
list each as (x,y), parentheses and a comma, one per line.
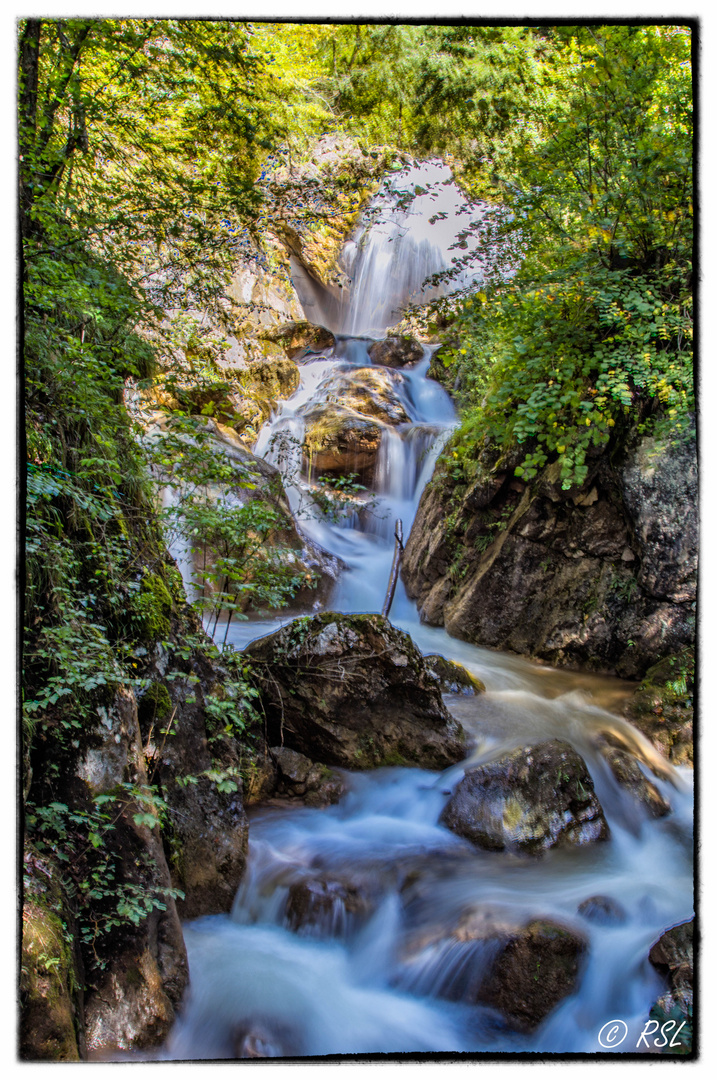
(341,442)
(369,391)
(300,338)
(521,967)
(531,799)
(344,428)
(353,691)
(396,351)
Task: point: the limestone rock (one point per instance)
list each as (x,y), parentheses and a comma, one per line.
(353,691)
(344,428)
(660,492)
(369,391)
(340,442)
(452,677)
(300,338)
(396,351)
(602,577)
(531,799)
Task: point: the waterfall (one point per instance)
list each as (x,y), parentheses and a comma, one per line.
(417,227)
(398,980)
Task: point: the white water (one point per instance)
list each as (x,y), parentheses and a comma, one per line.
(418,226)
(394,980)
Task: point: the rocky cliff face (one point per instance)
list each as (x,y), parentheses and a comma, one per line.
(603,577)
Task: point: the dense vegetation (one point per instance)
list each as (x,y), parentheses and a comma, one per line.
(590,339)
(144,152)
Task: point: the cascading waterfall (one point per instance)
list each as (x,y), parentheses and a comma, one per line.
(392,980)
(417,228)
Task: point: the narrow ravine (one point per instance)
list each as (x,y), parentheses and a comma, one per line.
(378,965)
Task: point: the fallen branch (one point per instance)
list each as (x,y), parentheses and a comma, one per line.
(393,578)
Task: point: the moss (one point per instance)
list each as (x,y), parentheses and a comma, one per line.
(393,758)
(153,607)
(155,704)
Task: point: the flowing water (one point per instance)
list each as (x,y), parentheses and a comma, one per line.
(374,968)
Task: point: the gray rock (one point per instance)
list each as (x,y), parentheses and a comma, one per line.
(452,678)
(529,800)
(602,910)
(602,577)
(396,351)
(353,691)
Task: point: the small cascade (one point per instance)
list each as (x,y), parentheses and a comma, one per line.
(347,935)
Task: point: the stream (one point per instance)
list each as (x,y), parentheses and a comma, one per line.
(387,980)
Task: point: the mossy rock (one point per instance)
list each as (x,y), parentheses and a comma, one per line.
(48,979)
(453,678)
(662,706)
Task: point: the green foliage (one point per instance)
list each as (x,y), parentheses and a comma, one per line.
(81,839)
(588,337)
(141,146)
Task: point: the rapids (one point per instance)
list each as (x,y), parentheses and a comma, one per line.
(389,982)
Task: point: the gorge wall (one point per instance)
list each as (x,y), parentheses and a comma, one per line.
(602,577)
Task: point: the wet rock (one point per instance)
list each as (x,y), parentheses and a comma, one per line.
(396,351)
(367,391)
(602,910)
(452,678)
(626,770)
(299,776)
(329,907)
(531,799)
(672,955)
(662,706)
(353,691)
(264,1037)
(523,969)
(340,442)
(536,970)
(660,492)
(300,338)
(344,428)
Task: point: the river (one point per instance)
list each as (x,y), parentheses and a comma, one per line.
(386,978)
